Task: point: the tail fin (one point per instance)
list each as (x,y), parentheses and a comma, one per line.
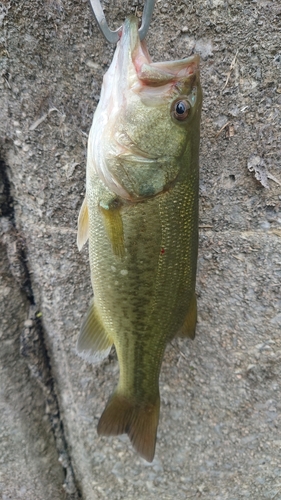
(139,421)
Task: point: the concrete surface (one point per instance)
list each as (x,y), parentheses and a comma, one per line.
(219,432)
(29,466)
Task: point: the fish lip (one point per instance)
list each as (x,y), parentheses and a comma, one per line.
(193,60)
(135,52)
(167,72)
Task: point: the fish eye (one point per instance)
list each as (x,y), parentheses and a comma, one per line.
(180,109)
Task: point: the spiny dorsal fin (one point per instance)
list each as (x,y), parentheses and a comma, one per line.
(93,343)
(139,421)
(83,225)
(189,325)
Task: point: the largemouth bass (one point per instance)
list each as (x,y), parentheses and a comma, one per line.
(140,214)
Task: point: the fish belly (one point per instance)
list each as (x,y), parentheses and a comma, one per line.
(143,297)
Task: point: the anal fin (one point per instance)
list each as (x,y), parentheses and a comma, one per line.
(93,343)
(189,326)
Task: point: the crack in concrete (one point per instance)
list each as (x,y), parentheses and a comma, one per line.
(32,341)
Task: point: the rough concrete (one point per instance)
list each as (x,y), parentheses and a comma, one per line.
(29,467)
(219,432)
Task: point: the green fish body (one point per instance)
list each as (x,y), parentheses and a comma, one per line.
(141,217)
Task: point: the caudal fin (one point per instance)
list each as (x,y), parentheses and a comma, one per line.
(139,421)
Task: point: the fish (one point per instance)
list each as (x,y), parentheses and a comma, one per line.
(140,215)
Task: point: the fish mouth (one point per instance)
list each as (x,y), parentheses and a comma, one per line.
(134,53)
(169,72)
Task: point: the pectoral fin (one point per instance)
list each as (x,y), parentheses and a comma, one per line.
(83,225)
(114,228)
(93,343)
(189,325)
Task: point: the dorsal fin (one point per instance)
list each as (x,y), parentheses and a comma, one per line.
(189,325)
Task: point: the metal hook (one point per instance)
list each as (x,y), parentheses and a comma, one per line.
(113,36)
